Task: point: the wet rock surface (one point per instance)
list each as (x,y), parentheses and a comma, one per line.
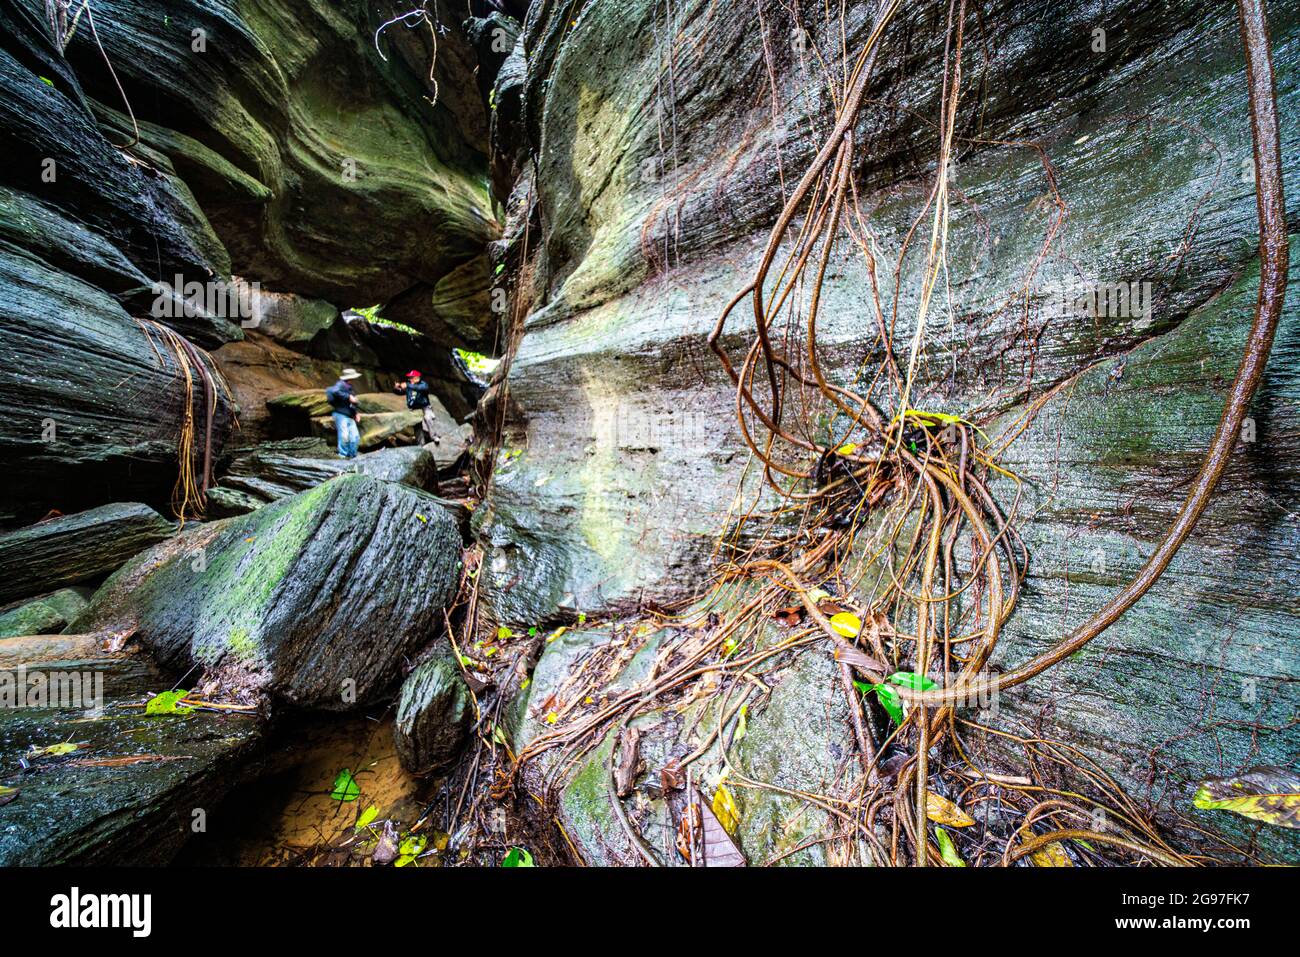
(46,614)
(95,398)
(433,714)
(76,548)
(270,473)
(313,599)
(130,791)
(621,456)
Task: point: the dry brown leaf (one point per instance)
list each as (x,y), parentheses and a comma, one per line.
(942,811)
(1051,855)
(719,849)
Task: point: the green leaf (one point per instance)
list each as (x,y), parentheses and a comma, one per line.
(7,794)
(1264,793)
(864,686)
(504,633)
(47,81)
(368,815)
(517,857)
(948,850)
(168,703)
(891,702)
(52,750)
(910,679)
(742,725)
(412,845)
(345,787)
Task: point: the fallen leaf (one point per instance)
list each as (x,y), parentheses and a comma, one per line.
(947,850)
(942,811)
(412,846)
(689,830)
(1051,855)
(847,624)
(7,794)
(790,616)
(1264,793)
(848,448)
(169,702)
(517,857)
(368,815)
(52,750)
(345,786)
(719,849)
(742,724)
(910,679)
(724,806)
(672,777)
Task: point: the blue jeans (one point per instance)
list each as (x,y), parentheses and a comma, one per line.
(349,435)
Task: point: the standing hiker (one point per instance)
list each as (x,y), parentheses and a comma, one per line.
(343,406)
(417,397)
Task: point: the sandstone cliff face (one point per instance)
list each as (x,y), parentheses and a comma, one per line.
(278,142)
(665,142)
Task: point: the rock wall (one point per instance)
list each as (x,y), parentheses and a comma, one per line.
(665,141)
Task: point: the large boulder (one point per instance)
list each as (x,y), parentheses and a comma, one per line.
(267,473)
(76,548)
(433,714)
(95,399)
(314,599)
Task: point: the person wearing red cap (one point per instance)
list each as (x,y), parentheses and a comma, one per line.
(417,397)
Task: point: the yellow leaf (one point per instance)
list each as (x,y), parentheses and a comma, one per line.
(1051,855)
(552,717)
(848,448)
(1264,793)
(724,809)
(847,624)
(942,811)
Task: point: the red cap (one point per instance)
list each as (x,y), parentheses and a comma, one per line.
(413,374)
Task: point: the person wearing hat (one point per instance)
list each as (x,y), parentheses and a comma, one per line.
(417,397)
(343,407)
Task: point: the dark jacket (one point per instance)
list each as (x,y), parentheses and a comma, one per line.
(417,395)
(339,396)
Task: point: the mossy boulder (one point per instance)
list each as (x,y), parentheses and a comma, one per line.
(433,714)
(314,599)
(45,615)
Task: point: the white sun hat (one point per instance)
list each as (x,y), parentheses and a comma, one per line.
(349,374)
